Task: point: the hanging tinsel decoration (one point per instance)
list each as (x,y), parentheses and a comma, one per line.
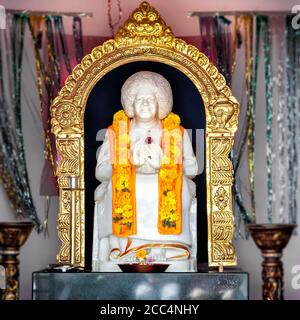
(277,34)
(207,38)
(112,24)
(17,51)
(263,24)
(237,42)
(50,73)
(19,22)
(8,162)
(293,109)
(52,83)
(223,47)
(216,43)
(243,35)
(58,22)
(12,154)
(251,117)
(244,24)
(261,27)
(297,101)
(77,34)
(53,73)
(34,24)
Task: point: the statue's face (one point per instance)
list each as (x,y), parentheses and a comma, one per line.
(145,105)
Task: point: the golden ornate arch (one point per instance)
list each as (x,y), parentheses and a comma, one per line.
(145,37)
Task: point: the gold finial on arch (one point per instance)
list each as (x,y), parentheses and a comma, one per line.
(145,22)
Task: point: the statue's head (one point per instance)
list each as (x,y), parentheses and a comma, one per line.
(147,95)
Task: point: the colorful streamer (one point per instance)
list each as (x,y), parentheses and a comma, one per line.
(251,117)
(13,170)
(207,38)
(51,85)
(223,47)
(216,43)
(53,74)
(58,22)
(277,31)
(264,21)
(293,106)
(77,34)
(244,26)
(39,75)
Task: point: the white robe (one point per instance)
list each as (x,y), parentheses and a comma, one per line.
(146,200)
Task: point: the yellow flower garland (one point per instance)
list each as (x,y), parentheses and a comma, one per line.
(123,177)
(170,177)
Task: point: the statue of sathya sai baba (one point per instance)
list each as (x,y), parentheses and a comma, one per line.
(145,206)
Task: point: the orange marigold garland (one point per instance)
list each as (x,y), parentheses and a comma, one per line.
(170,177)
(123,177)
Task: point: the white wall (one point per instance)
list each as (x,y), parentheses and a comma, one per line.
(40,251)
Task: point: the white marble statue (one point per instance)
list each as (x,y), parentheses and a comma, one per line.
(146,99)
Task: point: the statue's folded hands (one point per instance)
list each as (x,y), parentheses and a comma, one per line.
(139,154)
(154,155)
(147,157)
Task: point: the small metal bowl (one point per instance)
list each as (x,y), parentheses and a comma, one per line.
(143,267)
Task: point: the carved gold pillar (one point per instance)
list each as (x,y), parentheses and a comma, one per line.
(71,216)
(12,236)
(221,125)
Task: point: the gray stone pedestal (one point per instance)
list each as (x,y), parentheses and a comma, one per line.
(209,285)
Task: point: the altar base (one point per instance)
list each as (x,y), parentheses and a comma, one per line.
(229,285)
